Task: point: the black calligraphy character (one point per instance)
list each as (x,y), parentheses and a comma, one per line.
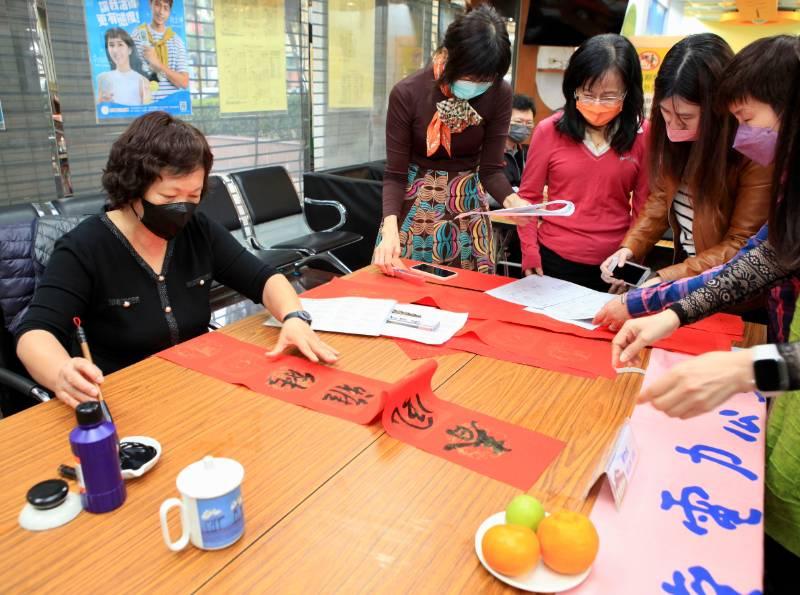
(292,379)
(349,395)
(413,418)
(702,511)
(475,437)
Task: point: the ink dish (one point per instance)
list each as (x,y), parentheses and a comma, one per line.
(137,455)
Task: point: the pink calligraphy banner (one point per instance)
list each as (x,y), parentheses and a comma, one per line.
(692,518)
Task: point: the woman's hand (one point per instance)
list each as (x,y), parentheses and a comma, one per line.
(76,380)
(613,314)
(618,259)
(297,333)
(537,270)
(637,334)
(514,200)
(387,252)
(698,385)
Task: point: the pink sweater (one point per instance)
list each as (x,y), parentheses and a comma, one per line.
(600,187)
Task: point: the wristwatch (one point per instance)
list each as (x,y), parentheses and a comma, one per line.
(301,314)
(769,369)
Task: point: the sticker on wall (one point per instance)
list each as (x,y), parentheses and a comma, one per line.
(2,117)
(138,57)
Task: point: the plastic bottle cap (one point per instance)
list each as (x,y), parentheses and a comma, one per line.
(89,413)
(48,494)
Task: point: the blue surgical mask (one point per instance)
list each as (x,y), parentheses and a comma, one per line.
(469,89)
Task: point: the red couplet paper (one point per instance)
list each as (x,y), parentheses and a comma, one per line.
(415,350)
(712,334)
(726,324)
(536,347)
(494,448)
(464,279)
(289,378)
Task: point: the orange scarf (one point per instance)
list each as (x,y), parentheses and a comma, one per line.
(452,115)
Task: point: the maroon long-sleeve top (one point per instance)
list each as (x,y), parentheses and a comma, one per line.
(412,104)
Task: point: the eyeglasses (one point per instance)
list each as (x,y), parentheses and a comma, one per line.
(528,125)
(609,99)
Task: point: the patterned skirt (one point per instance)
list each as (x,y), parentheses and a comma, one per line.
(429,231)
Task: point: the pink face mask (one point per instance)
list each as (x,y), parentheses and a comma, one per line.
(681,136)
(756,143)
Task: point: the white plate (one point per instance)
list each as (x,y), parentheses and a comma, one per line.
(539,580)
(133,473)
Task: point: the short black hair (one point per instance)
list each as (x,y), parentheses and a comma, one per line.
(152,144)
(596,56)
(762,70)
(477,46)
(523,103)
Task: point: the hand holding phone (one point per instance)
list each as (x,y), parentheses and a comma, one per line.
(631,273)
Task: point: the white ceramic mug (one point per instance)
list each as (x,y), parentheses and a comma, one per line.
(212,515)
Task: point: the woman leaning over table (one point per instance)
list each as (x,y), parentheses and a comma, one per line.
(446,129)
(139,275)
(747,89)
(592,153)
(702,383)
(712,196)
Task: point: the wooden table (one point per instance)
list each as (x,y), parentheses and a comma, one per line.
(330,505)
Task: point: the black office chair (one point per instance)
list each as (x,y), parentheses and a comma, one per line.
(92,203)
(218,204)
(278,219)
(18,213)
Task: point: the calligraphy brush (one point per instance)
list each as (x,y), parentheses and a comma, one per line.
(81,334)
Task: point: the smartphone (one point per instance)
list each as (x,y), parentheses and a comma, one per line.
(631,273)
(433,271)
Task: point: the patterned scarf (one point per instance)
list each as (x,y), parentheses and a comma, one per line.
(452,115)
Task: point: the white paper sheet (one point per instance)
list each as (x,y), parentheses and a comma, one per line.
(583,308)
(552,208)
(539,291)
(352,316)
(449,324)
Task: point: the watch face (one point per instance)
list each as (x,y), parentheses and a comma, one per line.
(768,374)
(303,315)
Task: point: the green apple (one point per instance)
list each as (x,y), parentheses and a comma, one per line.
(525,510)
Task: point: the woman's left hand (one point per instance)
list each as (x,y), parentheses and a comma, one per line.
(297,333)
(698,385)
(613,314)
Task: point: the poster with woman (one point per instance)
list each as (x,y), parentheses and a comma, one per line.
(137,53)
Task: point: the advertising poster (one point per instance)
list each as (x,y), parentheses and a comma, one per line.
(138,57)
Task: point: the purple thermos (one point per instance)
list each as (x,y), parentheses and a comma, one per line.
(96,448)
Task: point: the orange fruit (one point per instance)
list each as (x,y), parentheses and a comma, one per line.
(569,541)
(510,549)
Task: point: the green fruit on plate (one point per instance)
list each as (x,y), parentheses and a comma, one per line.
(526,511)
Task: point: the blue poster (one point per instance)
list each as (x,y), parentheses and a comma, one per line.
(137,52)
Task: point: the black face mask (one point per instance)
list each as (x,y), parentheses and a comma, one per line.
(166,221)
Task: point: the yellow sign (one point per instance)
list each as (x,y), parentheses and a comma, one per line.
(651,55)
(351,53)
(251,56)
